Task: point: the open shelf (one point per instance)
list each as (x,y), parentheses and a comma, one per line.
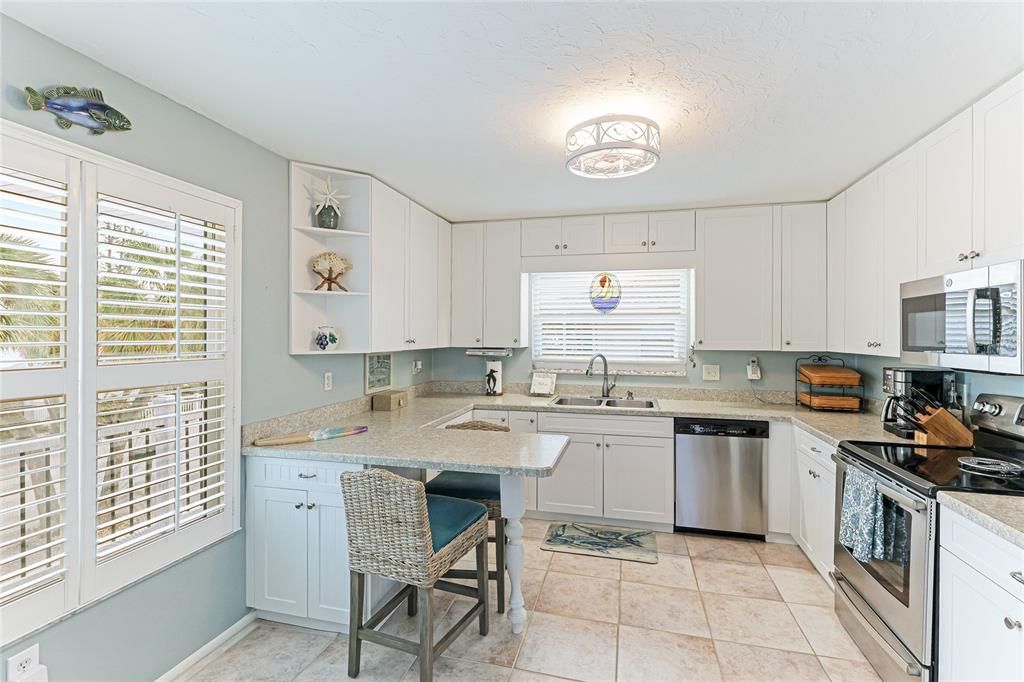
(326,232)
(314,292)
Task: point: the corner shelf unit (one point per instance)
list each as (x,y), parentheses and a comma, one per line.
(347,311)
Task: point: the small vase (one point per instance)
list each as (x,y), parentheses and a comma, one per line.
(327,218)
(325,337)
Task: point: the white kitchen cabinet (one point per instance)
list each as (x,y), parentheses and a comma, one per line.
(526,422)
(625,233)
(815,477)
(542,237)
(388,259)
(467,325)
(504,312)
(582,235)
(998,120)
(421,279)
(672,231)
(807,509)
(499,417)
(577,484)
(444,283)
(835,219)
(278,524)
(898,183)
(328,596)
(734,279)
(780,478)
(944,194)
(804,289)
(863,267)
(638,479)
(980,625)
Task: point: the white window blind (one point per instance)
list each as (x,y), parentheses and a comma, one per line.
(647,333)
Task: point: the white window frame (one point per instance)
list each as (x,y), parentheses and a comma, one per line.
(85,584)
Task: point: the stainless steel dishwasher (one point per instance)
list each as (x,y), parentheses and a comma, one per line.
(721,475)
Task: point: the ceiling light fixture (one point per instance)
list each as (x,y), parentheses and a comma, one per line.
(613,146)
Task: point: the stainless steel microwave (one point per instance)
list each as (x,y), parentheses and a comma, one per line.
(965,320)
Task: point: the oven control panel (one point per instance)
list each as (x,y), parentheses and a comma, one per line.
(999,413)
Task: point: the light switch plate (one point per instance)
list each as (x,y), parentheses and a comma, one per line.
(328,381)
(712,372)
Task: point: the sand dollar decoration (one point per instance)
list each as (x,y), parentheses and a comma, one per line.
(605,292)
(330,266)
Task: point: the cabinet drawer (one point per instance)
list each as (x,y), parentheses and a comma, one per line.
(815,448)
(296,474)
(611,425)
(995,558)
(522,422)
(496,416)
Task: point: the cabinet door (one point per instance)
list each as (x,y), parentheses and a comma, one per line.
(422,278)
(542,237)
(328,558)
(279,547)
(863,267)
(805,530)
(835,336)
(389,241)
(897,181)
(804,255)
(734,278)
(444,283)
(672,231)
(499,417)
(467,285)
(577,486)
(945,198)
(999,174)
(825,525)
(526,422)
(638,480)
(582,235)
(503,305)
(980,635)
(625,233)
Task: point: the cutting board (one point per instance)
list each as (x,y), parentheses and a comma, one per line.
(830,402)
(829,375)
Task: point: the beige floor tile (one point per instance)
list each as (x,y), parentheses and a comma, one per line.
(671,543)
(498,647)
(663,608)
(455,670)
(646,655)
(535,528)
(580,596)
(753,621)
(742,662)
(730,577)
(532,579)
(268,652)
(527,676)
(779,554)
(376,663)
(401,624)
(670,571)
(579,564)
(725,549)
(826,634)
(569,647)
(800,586)
(848,671)
(534,556)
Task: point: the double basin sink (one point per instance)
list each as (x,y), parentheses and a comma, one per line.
(567,401)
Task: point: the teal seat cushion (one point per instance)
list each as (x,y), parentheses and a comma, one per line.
(467,485)
(449,516)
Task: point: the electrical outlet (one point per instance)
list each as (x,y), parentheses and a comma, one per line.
(417,366)
(712,372)
(328,381)
(25,664)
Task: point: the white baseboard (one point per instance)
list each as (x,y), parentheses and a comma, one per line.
(222,640)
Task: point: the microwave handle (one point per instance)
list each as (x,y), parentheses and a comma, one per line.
(992,294)
(972,301)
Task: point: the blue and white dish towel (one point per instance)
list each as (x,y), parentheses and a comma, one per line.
(871,525)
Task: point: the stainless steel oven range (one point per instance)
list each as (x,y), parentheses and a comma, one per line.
(885,547)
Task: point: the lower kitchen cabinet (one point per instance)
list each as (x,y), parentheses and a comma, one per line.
(279,525)
(577,484)
(327,597)
(815,475)
(638,480)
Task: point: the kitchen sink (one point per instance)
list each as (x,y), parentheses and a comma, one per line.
(616,402)
(567,401)
(578,402)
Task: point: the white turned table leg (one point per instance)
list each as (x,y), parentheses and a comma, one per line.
(513,504)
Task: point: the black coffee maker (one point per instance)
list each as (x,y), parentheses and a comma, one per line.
(900,382)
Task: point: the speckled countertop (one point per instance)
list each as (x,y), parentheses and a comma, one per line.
(409,437)
(1001,514)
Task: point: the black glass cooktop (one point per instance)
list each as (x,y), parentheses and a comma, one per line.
(930,469)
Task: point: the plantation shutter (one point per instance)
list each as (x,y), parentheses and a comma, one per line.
(38,461)
(647,332)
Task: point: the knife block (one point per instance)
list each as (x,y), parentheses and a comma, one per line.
(942,428)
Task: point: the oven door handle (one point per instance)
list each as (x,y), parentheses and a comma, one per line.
(904,500)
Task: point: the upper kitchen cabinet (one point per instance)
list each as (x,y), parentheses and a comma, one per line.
(444,283)
(389,249)
(672,231)
(625,233)
(422,279)
(734,279)
(898,185)
(944,195)
(863,267)
(835,227)
(998,121)
(489,293)
(804,256)
(542,237)
(582,235)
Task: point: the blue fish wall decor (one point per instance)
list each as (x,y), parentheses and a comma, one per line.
(84,106)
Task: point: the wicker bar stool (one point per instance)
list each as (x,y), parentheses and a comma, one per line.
(397,531)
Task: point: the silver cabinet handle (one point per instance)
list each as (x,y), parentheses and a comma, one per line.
(643,243)
(531,421)
(310,505)
(515,340)
(478,340)
(307,475)
(814,449)
(789,343)
(652,242)
(607,445)
(700,342)
(557,247)
(597,445)
(961,257)
(1018,576)
(298,505)
(973,254)
(1011,624)
(565,246)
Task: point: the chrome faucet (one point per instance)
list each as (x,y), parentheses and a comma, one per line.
(606,387)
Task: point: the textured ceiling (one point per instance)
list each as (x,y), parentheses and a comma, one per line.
(464,106)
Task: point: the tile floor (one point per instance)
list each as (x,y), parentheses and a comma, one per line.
(711,609)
